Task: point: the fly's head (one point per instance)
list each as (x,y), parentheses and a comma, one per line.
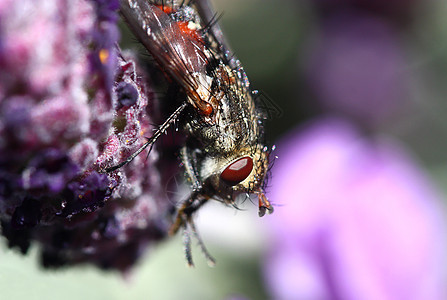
(243,172)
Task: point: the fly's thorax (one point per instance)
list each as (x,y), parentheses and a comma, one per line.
(242,172)
(222,139)
(233,124)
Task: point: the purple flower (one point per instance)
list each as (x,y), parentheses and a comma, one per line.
(48,172)
(127,94)
(355,219)
(72,104)
(86,195)
(28,214)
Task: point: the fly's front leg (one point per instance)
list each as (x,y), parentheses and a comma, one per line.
(150,141)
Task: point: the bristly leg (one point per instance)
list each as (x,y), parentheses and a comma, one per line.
(150,141)
(187,247)
(184,220)
(209,259)
(188,228)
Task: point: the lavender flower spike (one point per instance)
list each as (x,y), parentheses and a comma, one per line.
(72,104)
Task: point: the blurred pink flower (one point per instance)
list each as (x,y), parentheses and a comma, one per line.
(356,219)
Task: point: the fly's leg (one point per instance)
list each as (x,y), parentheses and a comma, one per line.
(209,259)
(184,214)
(150,141)
(185,221)
(188,159)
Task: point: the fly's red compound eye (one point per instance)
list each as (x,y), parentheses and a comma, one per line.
(237,171)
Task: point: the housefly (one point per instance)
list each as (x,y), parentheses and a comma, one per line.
(224,153)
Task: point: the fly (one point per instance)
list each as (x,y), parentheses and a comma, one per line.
(224,154)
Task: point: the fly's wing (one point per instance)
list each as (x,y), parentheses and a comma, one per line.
(210,18)
(179,54)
